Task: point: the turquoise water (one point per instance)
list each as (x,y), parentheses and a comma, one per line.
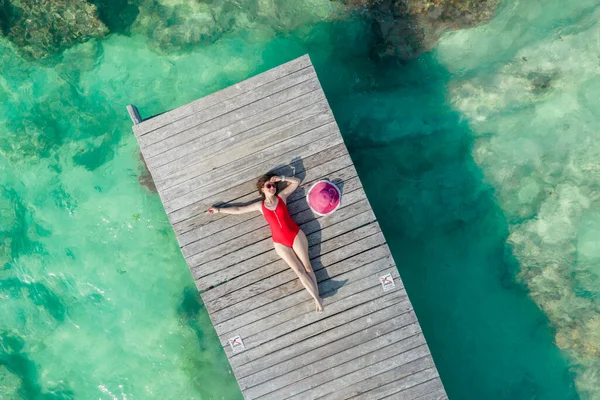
(479,159)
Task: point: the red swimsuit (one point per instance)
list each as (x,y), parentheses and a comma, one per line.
(284,230)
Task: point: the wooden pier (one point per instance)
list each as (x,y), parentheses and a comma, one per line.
(368,343)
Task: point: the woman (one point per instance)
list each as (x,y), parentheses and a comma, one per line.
(289,240)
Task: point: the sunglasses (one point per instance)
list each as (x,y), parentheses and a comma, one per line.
(270,185)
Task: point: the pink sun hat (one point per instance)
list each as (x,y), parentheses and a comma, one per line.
(323,197)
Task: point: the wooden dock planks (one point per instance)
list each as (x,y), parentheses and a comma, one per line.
(368,342)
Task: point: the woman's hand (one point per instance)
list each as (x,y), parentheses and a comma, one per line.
(213,210)
(275,179)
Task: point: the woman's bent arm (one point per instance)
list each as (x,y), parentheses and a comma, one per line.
(236,209)
(294,183)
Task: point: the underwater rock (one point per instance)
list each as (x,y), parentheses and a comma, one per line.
(541,82)
(20,374)
(19,231)
(41,28)
(178,26)
(175,25)
(117,15)
(410,27)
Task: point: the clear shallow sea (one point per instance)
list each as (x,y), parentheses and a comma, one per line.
(480,159)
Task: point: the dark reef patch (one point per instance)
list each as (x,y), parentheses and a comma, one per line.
(409,27)
(41,28)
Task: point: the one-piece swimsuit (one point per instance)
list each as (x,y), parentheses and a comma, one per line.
(283,228)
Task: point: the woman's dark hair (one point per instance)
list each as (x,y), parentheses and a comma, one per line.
(264,179)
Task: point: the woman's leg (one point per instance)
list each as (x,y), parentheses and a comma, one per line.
(288,255)
(300,247)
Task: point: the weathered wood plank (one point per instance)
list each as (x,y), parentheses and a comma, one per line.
(186,130)
(412,387)
(229,106)
(326,338)
(230,92)
(228,110)
(361,388)
(439,394)
(304,327)
(382,351)
(222,230)
(369,368)
(286,288)
(239,133)
(217,181)
(193,216)
(257,319)
(363,291)
(301,137)
(279,382)
(253,375)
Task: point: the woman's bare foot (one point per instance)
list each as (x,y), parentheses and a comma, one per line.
(319,305)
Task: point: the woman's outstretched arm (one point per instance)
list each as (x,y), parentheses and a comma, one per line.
(236,209)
